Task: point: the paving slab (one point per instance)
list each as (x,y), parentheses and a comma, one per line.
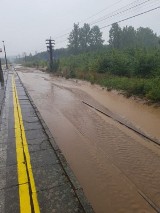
(59,199)
(11,176)
(11,200)
(52,175)
(43,157)
(39,145)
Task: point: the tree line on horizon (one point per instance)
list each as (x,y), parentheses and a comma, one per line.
(129,37)
(130,61)
(90,39)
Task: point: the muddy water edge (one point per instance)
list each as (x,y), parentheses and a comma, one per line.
(118,170)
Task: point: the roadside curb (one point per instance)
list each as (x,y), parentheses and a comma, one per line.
(69,174)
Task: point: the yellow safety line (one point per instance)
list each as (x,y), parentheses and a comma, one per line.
(23,161)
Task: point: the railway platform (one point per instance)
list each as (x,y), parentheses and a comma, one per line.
(34,174)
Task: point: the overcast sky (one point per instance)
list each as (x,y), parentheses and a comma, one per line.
(25,24)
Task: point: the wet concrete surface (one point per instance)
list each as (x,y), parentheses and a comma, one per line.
(118,169)
(54,183)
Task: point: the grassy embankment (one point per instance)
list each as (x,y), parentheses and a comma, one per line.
(135,71)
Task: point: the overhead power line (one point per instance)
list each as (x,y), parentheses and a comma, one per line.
(110,15)
(62,35)
(121,12)
(64,40)
(95,14)
(131,17)
(124,19)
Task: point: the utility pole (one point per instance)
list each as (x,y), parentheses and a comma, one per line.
(50,42)
(25,57)
(1,72)
(5,55)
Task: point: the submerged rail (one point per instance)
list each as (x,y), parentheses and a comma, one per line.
(124,124)
(146,198)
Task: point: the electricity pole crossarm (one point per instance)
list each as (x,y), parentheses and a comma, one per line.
(50,43)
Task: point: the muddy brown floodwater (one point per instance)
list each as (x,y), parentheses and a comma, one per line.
(118,169)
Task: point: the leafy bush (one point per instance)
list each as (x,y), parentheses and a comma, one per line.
(154,91)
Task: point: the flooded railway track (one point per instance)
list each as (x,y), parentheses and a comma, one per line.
(134,129)
(129,126)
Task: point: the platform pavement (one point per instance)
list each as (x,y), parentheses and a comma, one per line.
(34,174)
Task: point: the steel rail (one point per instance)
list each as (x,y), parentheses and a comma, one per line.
(156,141)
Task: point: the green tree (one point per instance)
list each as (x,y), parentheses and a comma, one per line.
(74,39)
(115,36)
(128,37)
(96,40)
(84,37)
(146,37)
